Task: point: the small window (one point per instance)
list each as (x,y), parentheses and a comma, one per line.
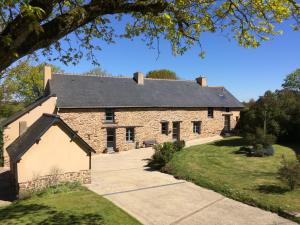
(210,112)
(129,134)
(165,128)
(109,115)
(227,109)
(197,127)
(237,118)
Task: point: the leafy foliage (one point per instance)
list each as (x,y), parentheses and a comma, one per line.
(24,82)
(292,81)
(259,140)
(164,153)
(27,26)
(290,173)
(281,112)
(98,71)
(162,74)
(20,86)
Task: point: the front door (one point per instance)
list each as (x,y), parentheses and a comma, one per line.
(176,131)
(110,139)
(227,123)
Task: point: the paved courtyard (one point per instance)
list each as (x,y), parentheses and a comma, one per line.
(160,199)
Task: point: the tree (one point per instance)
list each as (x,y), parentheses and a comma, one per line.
(281,109)
(292,81)
(98,71)
(30,25)
(24,82)
(162,74)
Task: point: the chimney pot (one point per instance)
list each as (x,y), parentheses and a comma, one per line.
(22,127)
(139,78)
(47,74)
(202,81)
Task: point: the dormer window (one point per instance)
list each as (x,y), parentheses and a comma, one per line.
(109,116)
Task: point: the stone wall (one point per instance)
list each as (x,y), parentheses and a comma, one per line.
(83,176)
(91,126)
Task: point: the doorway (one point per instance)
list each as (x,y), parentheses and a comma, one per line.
(176,131)
(227,123)
(110,139)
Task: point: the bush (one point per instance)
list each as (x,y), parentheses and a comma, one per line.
(289,173)
(63,187)
(179,145)
(259,140)
(164,153)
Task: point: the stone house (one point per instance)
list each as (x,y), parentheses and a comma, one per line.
(122,113)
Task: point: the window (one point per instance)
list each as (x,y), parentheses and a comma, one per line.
(109,115)
(197,127)
(210,112)
(165,128)
(227,109)
(129,134)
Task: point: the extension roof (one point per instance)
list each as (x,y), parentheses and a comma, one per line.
(78,91)
(33,134)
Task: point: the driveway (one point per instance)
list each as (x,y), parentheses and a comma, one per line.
(160,199)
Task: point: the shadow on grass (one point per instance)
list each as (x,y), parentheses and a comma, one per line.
(272,189)
(231,142)
(41,214)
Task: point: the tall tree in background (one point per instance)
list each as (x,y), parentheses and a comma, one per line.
(20,86)
(30,25)
(98,71)
(162,74)
(292,81)
(280,110)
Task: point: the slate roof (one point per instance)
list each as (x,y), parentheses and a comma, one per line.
(78,91)
(20,146)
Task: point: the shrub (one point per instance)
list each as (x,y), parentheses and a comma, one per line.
(164,153)
(179,145)
(289,173)
(260,138)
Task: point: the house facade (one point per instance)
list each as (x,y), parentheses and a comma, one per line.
(122,113)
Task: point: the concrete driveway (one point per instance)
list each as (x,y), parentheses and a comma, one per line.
(157,198)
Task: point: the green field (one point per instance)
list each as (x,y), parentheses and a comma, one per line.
(248,179)
(77,206)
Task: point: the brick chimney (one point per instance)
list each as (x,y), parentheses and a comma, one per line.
(22,127)
(202,81)
(47,74)
(139,78)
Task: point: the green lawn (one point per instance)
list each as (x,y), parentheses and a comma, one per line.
(248,179)
(79,206)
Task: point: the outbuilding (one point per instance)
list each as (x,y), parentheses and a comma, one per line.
(48,152)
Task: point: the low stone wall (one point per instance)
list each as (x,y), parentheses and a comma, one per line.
(83,176)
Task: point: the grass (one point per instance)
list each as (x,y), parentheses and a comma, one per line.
(65,206)
(252,180)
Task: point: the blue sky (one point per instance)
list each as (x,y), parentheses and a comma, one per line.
(247,73)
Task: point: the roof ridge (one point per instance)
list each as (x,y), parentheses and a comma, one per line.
(146,78)
(90,75)
(113,76)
